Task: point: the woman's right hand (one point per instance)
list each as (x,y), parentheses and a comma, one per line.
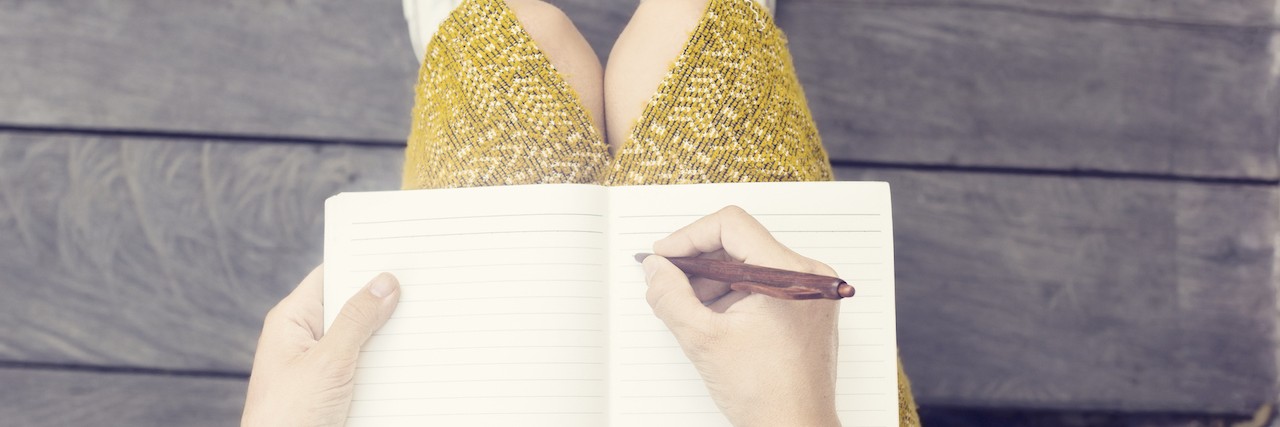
(766,361)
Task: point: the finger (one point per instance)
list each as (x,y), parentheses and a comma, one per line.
(297,308)
(670,295)
(363,314)
(308,297)
(708,290)
(718,255)
(728,300)
(730,229)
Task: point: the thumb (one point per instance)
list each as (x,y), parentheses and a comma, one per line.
(364,313)
(671,296)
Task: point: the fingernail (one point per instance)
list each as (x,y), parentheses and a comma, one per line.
(382,285)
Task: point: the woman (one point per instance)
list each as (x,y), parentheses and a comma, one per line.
(510,93)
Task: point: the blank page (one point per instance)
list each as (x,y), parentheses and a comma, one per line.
(501,317)
(846,225)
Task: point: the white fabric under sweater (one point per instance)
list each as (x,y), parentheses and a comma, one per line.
(424,17)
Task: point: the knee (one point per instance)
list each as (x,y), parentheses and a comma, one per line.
(683,13)
(543,21)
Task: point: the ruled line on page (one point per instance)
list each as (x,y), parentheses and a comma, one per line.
(475,233)
(484,347)
(529,396)
(700,215)
(527,313)
(485,249)
(505,297)
(433,381)
(505,330)
(486,265)
(499,281)
(771,231)
(451,414)
(522,215)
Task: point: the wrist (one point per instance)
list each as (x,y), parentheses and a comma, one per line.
(789,409)
(811,417)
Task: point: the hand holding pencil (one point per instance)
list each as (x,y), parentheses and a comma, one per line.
(774,282)
(749,349)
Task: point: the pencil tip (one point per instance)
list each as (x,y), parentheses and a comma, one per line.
(641,256)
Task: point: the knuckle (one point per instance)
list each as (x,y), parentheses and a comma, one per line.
(737,221)
(358,312)
(818,267)
(734,212)
(805,264)
(274,315)
(801,263)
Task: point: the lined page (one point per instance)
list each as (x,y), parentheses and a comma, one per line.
(501,317)
(846,225)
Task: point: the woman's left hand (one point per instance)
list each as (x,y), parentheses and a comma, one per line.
(303,376)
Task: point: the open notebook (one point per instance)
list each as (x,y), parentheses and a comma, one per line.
(523,305)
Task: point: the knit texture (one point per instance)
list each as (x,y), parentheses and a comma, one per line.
(491,110)
(730,109)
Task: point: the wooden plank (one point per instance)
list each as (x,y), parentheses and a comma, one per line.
(983,417)
(1015,291)
(1180,87)
(1241,13)
(1095,84)
(1085,293)
(32,398)
(1001,88)
(600,21)
(327,68)
(160,254)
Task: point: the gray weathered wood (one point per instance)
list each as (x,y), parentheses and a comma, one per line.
(1240,13)
(1097,84)
(316,68)
(33,398)
(1046,292)
(1158,87)
(156,253)
(973,86)
(1085,293)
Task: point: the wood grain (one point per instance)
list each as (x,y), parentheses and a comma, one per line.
(991,87)
(1144,86)
(34,398)
(1239,13)
(156,253)
(1014,291)
(1102,294)
(1148,86)
(325,68)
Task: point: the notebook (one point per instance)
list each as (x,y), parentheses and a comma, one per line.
(523,305)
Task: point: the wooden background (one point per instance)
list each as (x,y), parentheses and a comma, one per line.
(1085,192)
